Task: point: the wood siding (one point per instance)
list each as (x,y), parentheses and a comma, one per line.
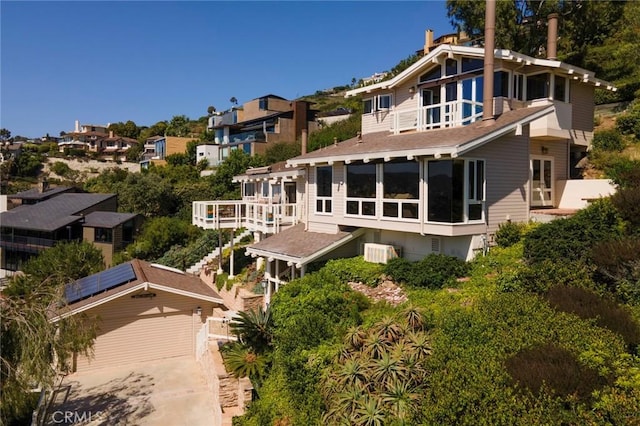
(507,179)
(581,97)
(144,329)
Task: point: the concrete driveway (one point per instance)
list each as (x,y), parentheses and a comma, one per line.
(167,392)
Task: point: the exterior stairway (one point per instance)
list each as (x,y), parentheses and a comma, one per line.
(195,269)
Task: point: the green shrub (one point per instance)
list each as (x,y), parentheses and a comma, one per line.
(618,265)
(608,140)
(399,269)
(629,122)
(624,171)
(509,233)
(540,277)
(589,305)
(355,269)
(568,240)
(436,270)
(627,203)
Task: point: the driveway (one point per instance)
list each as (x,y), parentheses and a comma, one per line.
(167,392)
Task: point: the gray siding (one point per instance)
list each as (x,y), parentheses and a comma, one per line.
(507,178)
(581,97)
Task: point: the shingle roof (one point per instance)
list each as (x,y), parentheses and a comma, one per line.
(53,213)
(35,194)
(443,141)
(146,272)
(106,219)
(297,244)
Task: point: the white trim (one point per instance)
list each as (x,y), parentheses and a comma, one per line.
(503,54)
(142,286)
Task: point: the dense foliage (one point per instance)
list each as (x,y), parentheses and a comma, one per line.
(29,338)
(434,271)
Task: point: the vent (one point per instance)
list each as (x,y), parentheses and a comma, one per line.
(435,245)
(380,253)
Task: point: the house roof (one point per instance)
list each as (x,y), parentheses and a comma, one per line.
(35,194)
(147,276)
(106,219)
(53,213)
(452,141)
(300,246)
(423,63)
(279,169)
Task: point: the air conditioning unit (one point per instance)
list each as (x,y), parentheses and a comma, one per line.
(380,253)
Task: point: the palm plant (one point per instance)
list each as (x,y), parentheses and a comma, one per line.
(241,361)
(254,329)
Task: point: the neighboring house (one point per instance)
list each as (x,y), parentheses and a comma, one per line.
(27,230)
(110,231)
(437,168)
(209,152)
(114,147)
(98,139)
(157,148)
(85,137)
(261,121)
(36,195)
(145,312)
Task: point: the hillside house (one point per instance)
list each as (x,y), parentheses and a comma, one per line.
(259,122)
(437,167)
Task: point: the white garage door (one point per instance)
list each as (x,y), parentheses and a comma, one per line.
(144,338)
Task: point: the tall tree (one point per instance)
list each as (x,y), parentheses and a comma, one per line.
(521,24)
(178,126)
(5,134)
(34,349)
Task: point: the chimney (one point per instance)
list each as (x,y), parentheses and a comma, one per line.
(335,140)
(359,137)
(43,185)
(428,41)
(552,36)
(77,126)
(110,134)
(304,142)
(489,45)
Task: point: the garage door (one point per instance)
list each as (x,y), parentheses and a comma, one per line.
(143,338)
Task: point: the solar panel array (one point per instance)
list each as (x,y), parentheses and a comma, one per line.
(100,282)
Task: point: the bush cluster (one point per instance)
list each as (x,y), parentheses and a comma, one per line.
(355,269)
(629,123)
(608,140)
(434,271)
(568,240)
(509,233)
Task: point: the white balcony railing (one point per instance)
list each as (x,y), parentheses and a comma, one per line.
(253,215)
(437,116)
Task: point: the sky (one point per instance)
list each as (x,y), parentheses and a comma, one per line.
(103,62)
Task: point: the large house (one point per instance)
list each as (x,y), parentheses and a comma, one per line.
(437,167)
(48,216)
(98,139)
(261,121)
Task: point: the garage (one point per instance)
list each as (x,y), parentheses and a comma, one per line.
(154,316)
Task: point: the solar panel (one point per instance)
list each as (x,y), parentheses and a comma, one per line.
(97,283)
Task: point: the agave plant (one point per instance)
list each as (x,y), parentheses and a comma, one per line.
(389,329)
(415,318)
(370,412)
(355,338)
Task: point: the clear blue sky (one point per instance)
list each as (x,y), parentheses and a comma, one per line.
(104,62)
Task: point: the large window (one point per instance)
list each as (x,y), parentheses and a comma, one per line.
(447,182)
(434,74)
(361,189)
(384,102)
(263,104)
(324,177)
(537,86)
(401,189)
(501,84)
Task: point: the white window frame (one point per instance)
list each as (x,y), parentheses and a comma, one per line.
(551,190)
(326,201)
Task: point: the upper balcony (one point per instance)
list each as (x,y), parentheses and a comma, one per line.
(255,215)
(436,116)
